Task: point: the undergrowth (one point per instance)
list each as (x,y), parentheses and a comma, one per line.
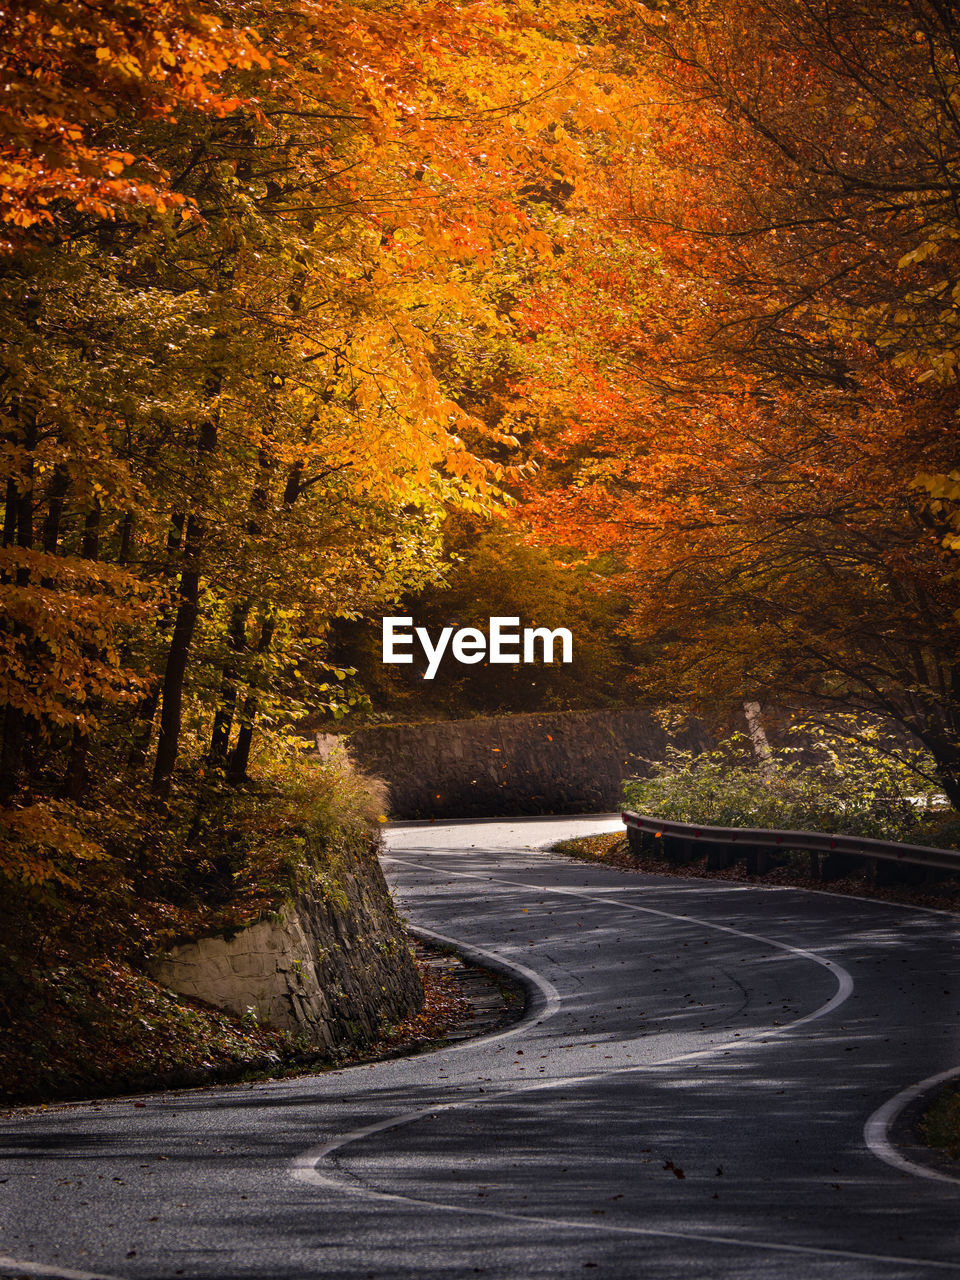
(78,1011)
(940,1126)
(869,785)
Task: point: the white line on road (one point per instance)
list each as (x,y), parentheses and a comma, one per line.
(842,975)
(549,995)
(876,1132)
(305,1167)
(42,1269)
(658,1233)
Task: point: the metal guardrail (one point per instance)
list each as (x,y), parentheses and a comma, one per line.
(723,845)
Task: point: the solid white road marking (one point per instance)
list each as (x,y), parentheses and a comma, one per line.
(304,1168)
(42,1269)
(844,980)
(690,1237)
(549,994)
(876,1132)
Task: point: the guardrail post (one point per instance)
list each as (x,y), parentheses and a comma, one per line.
(837,865)
(719,856)
(756,859)
(672,849)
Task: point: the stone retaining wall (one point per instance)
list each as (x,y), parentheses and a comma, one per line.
(564,762)
(334,966)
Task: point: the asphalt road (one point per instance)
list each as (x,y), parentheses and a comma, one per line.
(688,1098)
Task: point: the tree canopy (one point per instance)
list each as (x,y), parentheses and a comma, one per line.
(752,358)
(670,289)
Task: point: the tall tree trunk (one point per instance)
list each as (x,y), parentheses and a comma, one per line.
(759,740)
(90,546)
(77,779)
(51,525)
(125,551)
(18,523)
(10,512)
(171,690)
(25,503)
(946,753)
(240,756)
(147,707)
(223,720)
(237,628)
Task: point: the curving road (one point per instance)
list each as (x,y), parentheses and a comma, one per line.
(703,1089)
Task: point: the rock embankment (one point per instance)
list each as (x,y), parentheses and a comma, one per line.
(332,963)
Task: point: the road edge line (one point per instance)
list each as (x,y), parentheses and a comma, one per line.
(45,1269)
(876,1131)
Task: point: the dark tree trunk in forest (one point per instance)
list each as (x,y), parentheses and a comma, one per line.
(147,708)
(18,523)
(25,502)
(240,757)
(90,547)
(10,512)
(126,539)
(946,753)
(223,720)
(51,525)
(237,631)
(76,780)
(174,675)
(143,728)
(171,690)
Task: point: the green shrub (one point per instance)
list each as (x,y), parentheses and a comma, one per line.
(293,828)
(869,785)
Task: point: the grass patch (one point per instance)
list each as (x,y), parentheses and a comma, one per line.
(940,1127)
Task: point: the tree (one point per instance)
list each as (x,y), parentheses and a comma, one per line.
(73,74)
(495,573)
(229,412)
(765,322)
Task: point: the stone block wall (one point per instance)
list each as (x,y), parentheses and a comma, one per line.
(333,966)
(564,762)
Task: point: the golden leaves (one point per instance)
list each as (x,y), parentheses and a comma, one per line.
(52,114)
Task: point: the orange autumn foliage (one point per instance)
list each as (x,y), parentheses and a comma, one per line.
(221,430)
(71,73)
(751,355)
